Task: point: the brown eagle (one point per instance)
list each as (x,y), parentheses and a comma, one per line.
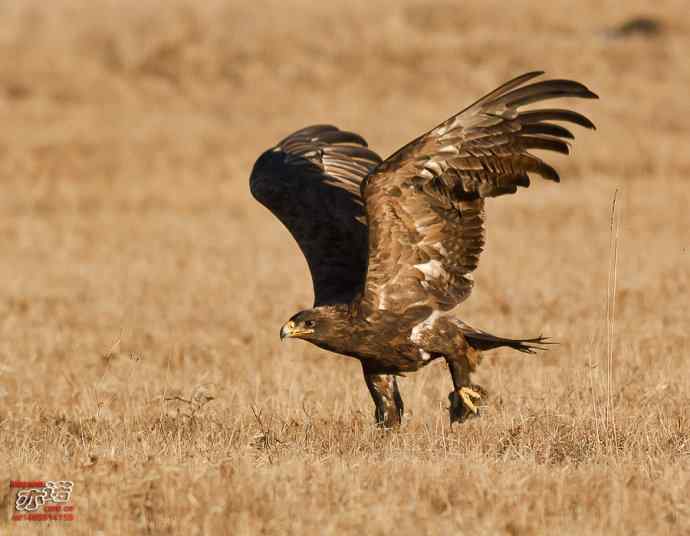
(391,245)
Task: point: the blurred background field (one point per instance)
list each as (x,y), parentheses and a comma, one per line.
(143,289)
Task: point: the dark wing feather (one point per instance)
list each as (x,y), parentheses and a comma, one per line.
(425,203)
(311,182)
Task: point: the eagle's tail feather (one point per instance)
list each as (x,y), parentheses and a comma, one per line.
(482,340)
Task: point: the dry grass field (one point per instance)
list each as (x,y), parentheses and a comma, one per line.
(143,289)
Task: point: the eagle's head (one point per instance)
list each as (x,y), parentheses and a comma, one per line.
(322,326)
(303,325)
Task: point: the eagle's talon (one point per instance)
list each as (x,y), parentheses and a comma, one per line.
(463,403)
(467,394)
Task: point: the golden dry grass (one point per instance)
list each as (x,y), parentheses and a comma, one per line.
(128,132)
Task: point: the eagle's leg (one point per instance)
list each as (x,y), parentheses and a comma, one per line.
(465,395)
(384,391)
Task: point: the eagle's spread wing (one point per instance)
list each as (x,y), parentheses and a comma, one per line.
(311,182)
(425,203)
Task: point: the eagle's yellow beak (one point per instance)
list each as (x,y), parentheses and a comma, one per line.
(290,329)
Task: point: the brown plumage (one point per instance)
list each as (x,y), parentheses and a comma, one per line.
(391,244)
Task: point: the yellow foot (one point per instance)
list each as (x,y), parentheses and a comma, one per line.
(467,394)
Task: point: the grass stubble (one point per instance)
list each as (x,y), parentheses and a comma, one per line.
(143,289)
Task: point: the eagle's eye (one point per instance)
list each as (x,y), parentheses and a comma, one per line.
(310,323)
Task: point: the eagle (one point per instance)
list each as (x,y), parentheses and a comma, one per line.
(391,244)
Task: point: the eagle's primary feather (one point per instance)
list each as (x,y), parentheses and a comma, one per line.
(391,245)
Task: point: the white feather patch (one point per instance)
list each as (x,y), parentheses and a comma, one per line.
(434,167)
(438,246)
(448,149)
(432,269)
(423,326)
(426,174)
